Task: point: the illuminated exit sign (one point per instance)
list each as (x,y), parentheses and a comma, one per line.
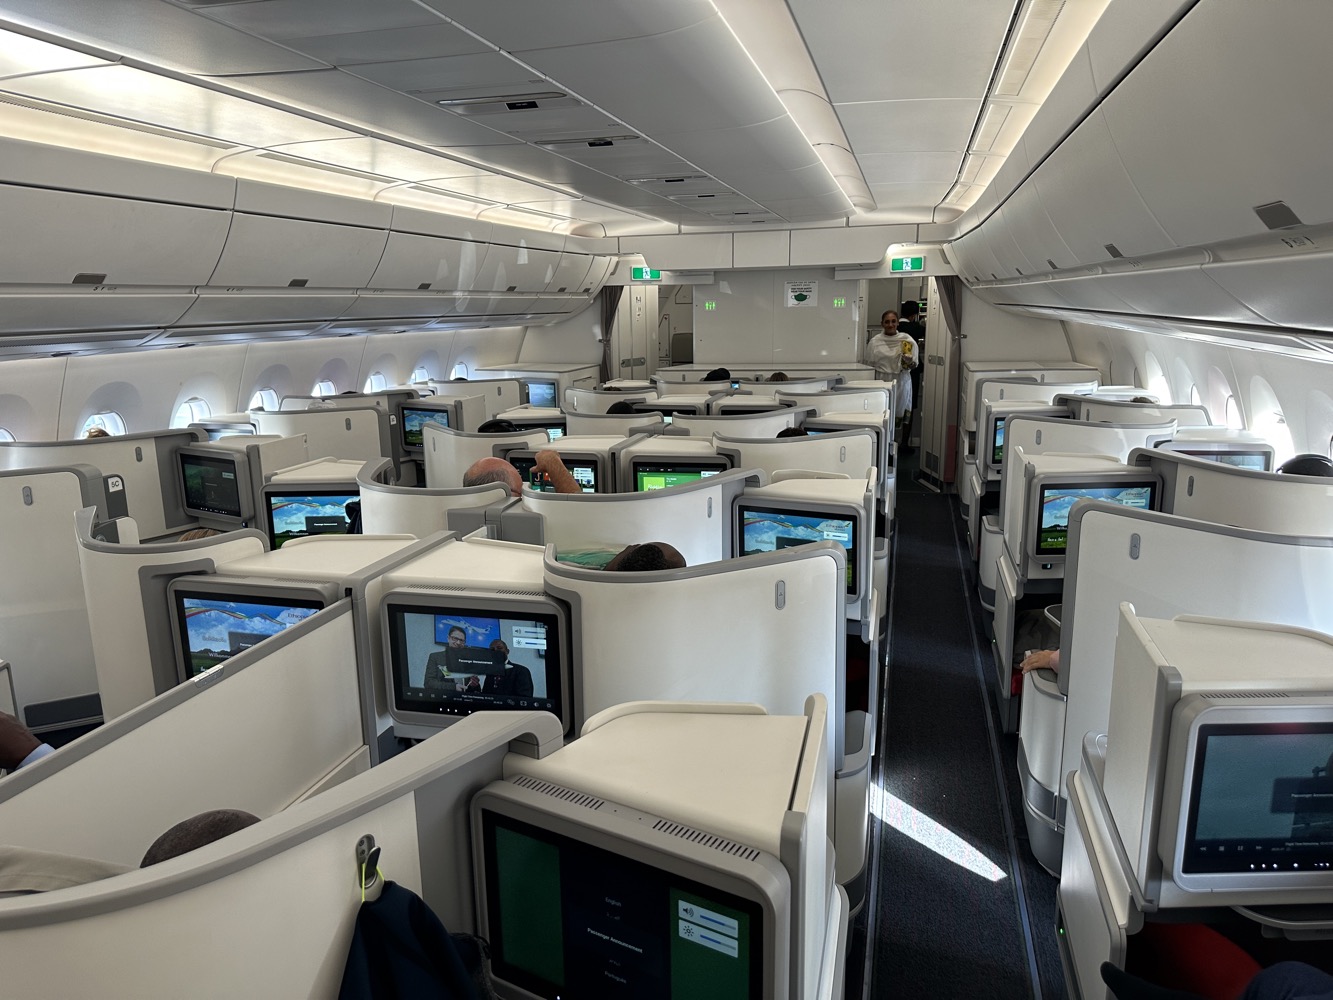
(907,263)
(645,274)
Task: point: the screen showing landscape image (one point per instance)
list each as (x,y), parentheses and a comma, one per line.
(295,516)
(215,629)
(1053,533)
(997,447)
(769,530)
(414,420)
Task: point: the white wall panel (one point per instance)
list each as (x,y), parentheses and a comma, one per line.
(577,338)
(852,245)
(753,323)
(30,397)
(995,335)
(693,251)
(763,249)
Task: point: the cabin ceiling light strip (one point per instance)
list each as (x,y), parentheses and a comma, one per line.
(991,122)
(1034,28)
(65,111)
(463,102)
(333,168)
(770,39)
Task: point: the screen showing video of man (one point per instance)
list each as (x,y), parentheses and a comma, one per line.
(298,515)
(1056,501)
(454,662)
(214,629)
(767,530)
(1262,794)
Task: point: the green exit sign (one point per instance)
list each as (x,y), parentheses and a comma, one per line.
(907,263)
(645,274)
(710,306)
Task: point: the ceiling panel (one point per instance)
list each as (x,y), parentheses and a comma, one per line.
(424,41)
(903,49)
(909,168)
(693,80)
(377,156)
(909,126)
(158,33)
(286,19)
(333,93)
(571,23)
(20,54)
(773,146)
(478,73)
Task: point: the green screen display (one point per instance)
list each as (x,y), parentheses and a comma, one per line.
(569,920)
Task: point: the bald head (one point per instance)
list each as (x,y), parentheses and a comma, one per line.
(494,470)
(195,832)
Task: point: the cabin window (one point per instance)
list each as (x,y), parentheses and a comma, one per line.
(1234,418)
(324,387)
(460,371)
(264,399)
(419,374)
(191,411)
(6,435)
(108,421)
(375,382)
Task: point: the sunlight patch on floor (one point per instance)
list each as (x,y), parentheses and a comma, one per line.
(925,831)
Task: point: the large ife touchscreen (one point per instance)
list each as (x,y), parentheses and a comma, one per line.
(663,474)
(456,660)
(583,469)
(214,627)
(570,919)
(1256,461)
(1262,799)
(542,394)
(414,418)
(768,528)
(310,512)
(211,485)
(1056,499)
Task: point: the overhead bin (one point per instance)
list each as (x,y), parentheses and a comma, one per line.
(515,269)
(374,304)
(69,237)
(438,263)
(43,344)
(89,307)
(260,306)
(570,272)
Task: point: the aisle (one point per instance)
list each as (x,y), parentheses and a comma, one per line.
(950,919)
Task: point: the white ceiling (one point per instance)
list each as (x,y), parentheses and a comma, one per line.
(698,133)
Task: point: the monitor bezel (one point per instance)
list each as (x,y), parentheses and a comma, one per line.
(994,466)
(242,590)
(449,407)
(857,561)
(722,463)
(339,488)
(413,714)
(1192,720)
(634,836)
(555,390)
(1209,450)
(244,491)
(594,458)
(1114,479)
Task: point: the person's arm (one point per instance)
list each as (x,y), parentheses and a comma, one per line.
(548,462)
(17,744)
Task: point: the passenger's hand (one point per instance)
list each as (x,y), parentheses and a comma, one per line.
(16,742)
(1041,659)
(547,459)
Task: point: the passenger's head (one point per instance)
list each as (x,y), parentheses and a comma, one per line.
(501,647)
(793,432)
(778,377)
(717,375)
(889,321)
(499,425)
(1143,399)
(1307,465)
(646,557)
(96,432)
(494,470)
(621,406)
(910,309)
(195,832)
(457,636)
(194,534)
